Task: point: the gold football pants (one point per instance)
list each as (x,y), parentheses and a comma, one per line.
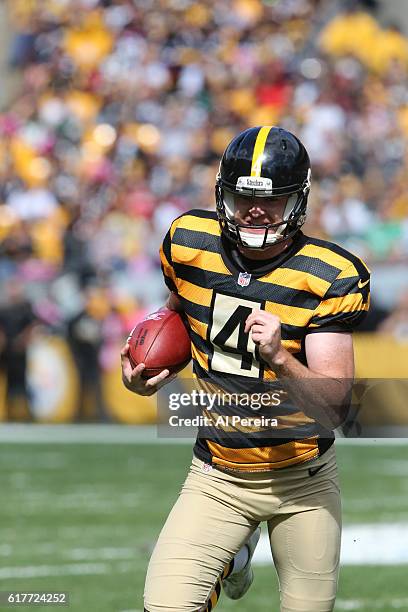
(217,511)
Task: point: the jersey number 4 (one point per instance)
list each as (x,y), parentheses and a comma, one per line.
(233,350)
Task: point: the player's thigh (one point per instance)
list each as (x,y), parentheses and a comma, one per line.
(306,550)
(203,532)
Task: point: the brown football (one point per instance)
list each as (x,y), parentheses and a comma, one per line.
(160,341)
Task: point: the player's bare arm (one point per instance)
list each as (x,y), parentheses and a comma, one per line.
(330,360)
(173,302)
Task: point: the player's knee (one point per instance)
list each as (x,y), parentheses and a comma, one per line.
(177,587)
(309,595)
(202,609)
(173,600)
(176,599)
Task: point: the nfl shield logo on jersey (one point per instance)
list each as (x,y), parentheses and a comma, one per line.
(244,279)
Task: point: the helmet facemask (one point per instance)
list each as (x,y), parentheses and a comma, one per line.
(260,236)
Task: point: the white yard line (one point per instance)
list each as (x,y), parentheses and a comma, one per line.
(84,434)
(68,569)
(366,544)
(359,604)
(128,434)
(108,553)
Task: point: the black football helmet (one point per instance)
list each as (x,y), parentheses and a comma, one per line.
(263,162)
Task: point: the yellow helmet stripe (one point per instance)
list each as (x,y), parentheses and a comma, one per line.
(257,157)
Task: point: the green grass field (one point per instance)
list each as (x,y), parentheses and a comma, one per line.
(83,518)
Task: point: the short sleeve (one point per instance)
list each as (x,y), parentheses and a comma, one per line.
(345,304)
(167,263)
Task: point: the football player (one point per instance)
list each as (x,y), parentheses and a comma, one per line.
(265,304)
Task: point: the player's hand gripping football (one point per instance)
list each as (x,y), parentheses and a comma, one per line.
(265,330)
(132,377)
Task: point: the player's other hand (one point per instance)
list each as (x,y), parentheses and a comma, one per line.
(132,377)
(265,330)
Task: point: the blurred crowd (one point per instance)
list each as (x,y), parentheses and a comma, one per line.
(125,107)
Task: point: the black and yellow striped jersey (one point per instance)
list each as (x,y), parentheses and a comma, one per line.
(312,286)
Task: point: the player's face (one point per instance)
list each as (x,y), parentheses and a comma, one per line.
(259,211)
(260,222)
(252,214)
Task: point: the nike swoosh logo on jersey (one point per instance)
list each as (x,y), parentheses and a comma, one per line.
(313,471)
(361,285)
